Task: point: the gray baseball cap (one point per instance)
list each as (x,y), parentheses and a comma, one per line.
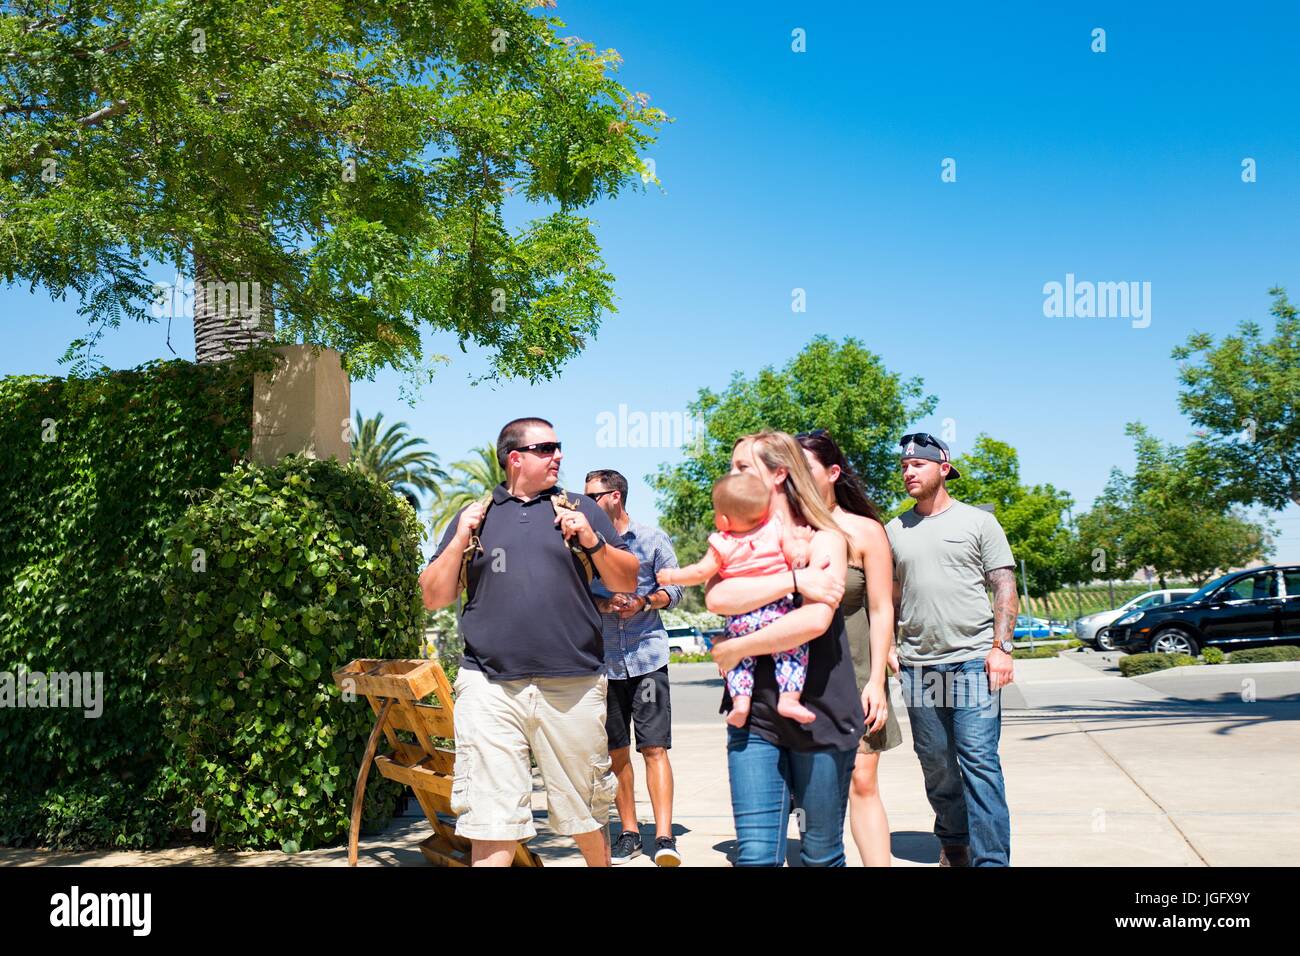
(925,445)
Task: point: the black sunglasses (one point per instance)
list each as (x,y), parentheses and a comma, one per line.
(539,448)
(921,438)
(596,495)
(815,433)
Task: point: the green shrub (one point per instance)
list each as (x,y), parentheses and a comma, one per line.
(1212,655)
(1026,653)
(92,470)
(1265,655)
(280,576)
(1134,665)
(443,640)
(690,658)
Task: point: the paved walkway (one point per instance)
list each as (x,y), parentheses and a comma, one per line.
(1101,771)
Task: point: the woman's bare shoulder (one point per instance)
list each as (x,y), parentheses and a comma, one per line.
(861,529)
(827,540)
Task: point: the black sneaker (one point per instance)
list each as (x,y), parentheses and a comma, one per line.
(626,847)
(666,852)
(954,855)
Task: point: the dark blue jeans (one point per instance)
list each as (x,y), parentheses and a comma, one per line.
(764,778)
(956,723)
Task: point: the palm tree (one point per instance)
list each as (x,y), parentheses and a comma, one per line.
(394,457)
(474,478)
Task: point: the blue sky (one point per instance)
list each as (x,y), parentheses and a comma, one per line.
(821,171)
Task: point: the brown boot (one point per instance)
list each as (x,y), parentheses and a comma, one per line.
(954,855)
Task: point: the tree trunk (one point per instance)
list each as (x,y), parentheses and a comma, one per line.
(230,315)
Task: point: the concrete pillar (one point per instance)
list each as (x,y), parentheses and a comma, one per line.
(305,406)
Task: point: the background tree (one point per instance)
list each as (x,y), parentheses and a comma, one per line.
(1245,393)
(352,161)
(1161,518)
(841,387)
(395,457)
(470,480)
(1032,517)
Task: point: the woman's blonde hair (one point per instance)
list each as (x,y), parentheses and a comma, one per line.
(779,450)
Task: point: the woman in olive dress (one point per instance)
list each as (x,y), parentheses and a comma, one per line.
(868,609)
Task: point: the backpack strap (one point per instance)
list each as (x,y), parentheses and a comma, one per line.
(560,501)
(475,546)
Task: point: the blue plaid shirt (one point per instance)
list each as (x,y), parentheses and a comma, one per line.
(639,644)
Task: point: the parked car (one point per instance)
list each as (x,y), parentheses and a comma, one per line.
(1092,628)
(1258,606)
(686,640)
(1027,627)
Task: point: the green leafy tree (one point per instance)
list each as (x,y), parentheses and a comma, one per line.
(841,387)
(470,480)
(395,457)
(1032,517)
(1244,392)
(350,163)
(1160,517)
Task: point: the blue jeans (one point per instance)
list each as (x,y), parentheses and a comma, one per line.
(956,723)
(764,778)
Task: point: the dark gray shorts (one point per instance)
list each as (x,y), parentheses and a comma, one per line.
(640,702)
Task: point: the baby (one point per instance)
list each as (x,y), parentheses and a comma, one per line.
(752,541)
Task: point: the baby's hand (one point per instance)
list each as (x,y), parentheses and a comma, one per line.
(668,576)
(799,546)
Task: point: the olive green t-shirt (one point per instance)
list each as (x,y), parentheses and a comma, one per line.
(940,563)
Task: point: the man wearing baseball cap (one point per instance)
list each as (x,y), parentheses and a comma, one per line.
(955,652)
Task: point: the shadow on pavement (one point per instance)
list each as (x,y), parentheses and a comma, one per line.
(1227,709)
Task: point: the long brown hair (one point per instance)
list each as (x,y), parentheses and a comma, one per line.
(849,493)
(779,450)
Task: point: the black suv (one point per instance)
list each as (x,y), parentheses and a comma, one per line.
(1261,605)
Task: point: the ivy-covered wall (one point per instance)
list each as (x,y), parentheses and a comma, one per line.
(106,486)
(92,471)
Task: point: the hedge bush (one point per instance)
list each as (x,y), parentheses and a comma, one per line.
(280,576)
(1212,655)
(1026,653)
(1134,665)
(1265,655)
(92,471)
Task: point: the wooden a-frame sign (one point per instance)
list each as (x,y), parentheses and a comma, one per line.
(396,690)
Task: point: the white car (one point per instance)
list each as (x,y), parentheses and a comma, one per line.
(686,640)
(1091,628)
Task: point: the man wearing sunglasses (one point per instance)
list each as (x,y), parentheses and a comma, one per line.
(955,652)
(636,662)
(532,679)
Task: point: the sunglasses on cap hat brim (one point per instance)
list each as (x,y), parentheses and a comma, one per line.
(909,442)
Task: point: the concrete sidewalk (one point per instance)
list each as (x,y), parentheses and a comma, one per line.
(1101,771)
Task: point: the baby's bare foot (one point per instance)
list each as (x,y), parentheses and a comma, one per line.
(790,706)
(739,711)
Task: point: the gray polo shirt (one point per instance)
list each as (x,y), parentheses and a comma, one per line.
(940,563)
(530,612)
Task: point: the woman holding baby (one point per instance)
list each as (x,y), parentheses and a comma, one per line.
(798,745)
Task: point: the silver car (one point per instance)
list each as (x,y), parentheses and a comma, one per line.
(1091,628)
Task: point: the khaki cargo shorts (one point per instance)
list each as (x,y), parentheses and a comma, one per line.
(561,721)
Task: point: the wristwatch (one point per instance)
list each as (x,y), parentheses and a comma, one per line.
(1004,646)
(600,543)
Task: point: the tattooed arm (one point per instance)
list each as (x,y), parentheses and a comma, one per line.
(1006,606)
(1006,603)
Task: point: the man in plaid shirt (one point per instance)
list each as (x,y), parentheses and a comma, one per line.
(636,664)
